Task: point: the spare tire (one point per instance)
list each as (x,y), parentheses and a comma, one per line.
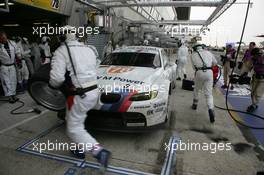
(39,90)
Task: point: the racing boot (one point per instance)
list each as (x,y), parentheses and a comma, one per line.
(13,99)
(252,108)
(103,157)
(78,154)
(211,115)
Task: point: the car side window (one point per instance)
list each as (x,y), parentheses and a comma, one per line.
(165,58)
(157,61)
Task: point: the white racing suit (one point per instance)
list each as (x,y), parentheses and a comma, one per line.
(45,52)
(22,70)
(8,69)
(203,78)
(182,60)
(26,55)
(84,60)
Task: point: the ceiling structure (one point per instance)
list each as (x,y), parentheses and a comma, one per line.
(182,9)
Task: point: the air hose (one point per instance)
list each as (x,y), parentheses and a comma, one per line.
(22,104)
(232,72)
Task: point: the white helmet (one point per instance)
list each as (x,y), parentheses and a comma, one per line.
(146,42)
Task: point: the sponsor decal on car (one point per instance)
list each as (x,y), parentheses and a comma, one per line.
(150,112)
(141,107)
(156,105)
(119,69)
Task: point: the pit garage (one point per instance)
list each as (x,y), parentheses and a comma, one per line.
(147,133)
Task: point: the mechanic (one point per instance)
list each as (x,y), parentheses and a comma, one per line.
(257,84)
(203,61)
(145,42)
(80,61)
(108,49)
(8,54)
(182,61)
(22,69)
(228,63)
(27,55)
(45,50)
(247,56)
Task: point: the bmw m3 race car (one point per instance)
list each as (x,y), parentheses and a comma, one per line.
(135,83)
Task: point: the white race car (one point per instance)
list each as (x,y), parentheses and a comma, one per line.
(135,84)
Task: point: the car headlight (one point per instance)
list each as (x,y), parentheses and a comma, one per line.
(144,96)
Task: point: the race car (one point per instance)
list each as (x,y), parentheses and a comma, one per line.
(135,83)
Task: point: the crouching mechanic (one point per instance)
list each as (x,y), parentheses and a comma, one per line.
(203,62)
(80,61)
(257,84)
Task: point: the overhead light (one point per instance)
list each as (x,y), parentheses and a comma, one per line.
(10,25)
(3,4)
(40,23)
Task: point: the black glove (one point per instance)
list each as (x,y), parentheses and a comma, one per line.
(176,61)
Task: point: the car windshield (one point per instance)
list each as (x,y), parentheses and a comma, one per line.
(133,59)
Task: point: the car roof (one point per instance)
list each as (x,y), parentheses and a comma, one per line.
(141,49)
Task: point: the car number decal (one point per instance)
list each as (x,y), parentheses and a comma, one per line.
(117,70)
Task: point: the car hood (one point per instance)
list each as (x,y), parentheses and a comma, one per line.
(127,76)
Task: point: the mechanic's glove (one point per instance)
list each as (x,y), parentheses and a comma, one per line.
(176,61)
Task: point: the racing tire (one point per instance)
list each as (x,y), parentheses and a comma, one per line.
(42,94)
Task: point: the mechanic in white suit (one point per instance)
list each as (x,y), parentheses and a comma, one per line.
(80,61)
(108,49)
(22,69)
(203,61)
(181,61)
(8,54)
(45,50)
